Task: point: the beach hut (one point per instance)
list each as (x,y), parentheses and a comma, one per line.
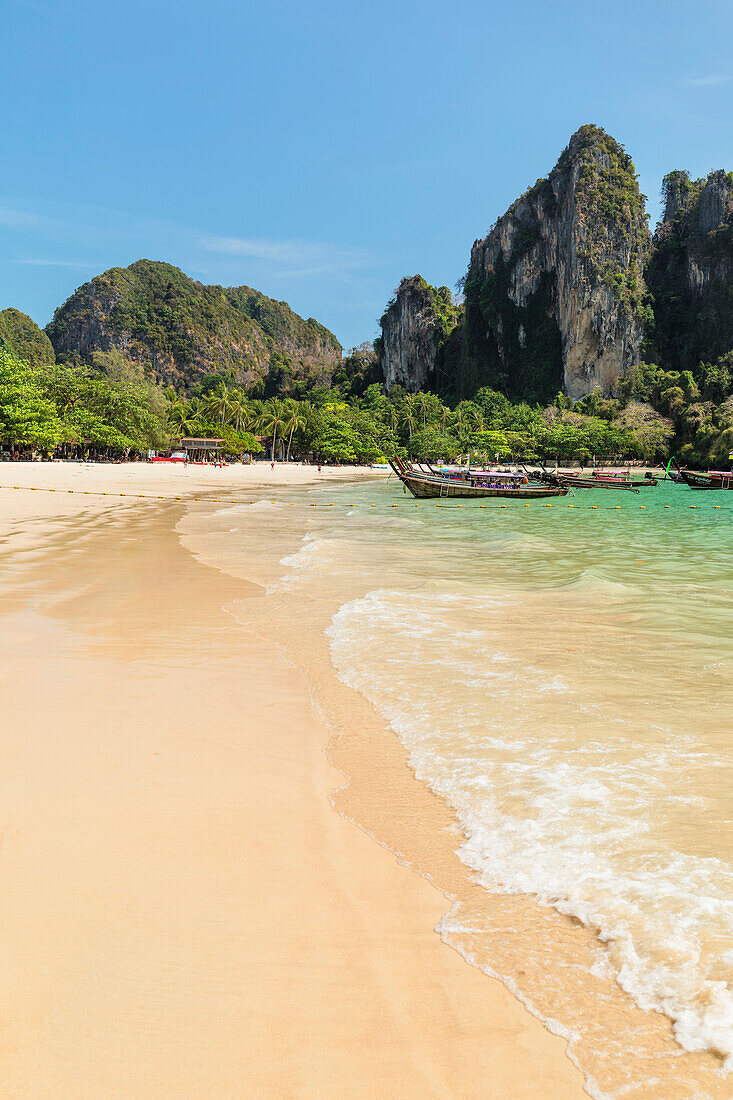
(200,450)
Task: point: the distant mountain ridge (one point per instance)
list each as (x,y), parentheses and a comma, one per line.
(154,313)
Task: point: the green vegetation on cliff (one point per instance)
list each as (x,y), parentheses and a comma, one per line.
(155,313)
(512,348)
(607,195)
(445,313)
(690,273)
(21,335)
(416,347)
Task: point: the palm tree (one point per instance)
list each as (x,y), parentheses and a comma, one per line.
(422,402)
(272,421)
(196,413)
(409,409)
(295,420)
(466,420)
(182,416)
(476,420)
(217,403)
(239,410)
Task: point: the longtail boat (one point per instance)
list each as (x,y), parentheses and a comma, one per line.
(479,484)
(713,479)
(601,482)
(613,477)
(697,479)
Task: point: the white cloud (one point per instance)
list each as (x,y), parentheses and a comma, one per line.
(710,81)
(44,9)
(19,218)
(95,226)
(73,264)
(304,256)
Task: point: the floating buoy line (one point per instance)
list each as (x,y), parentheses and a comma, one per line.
(329,504)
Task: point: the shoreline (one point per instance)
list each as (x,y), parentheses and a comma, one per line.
(178,873)
(490,931)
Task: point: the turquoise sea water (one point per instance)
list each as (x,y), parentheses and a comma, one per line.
(563,677)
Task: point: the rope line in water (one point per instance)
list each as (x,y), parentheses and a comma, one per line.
(332,504)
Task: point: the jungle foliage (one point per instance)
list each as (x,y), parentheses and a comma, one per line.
(114,407)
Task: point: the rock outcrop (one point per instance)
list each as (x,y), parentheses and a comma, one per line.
(21,335)
(154,313)
(690,272)
(555,292)
(415,326)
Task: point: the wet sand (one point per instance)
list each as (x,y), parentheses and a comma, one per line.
(183,912)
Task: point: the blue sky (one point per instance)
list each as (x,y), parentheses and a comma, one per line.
(320,151)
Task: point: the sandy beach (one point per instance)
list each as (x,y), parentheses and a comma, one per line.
(184,912)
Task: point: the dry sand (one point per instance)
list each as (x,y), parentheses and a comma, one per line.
(183,913)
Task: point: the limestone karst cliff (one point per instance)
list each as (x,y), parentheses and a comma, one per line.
(156,314)
(555,292)
(554,295)
(690,272)
(415,326)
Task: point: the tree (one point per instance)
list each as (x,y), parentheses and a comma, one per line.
(294,421)
(409,412)
(429,443)
(393,416)
(468,419)
(495,405)
(490,444)
(27,415)
(183,418)
(370,438)
(218,404)
(272,421)
(239,410)
(423,405)
(335,440)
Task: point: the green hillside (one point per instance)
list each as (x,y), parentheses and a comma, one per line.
(155,314)
(22,335)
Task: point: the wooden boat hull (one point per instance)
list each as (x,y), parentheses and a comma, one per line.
(596,483)
(698,480)
(434,487)
(425,488)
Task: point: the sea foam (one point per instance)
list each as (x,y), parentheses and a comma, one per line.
(586,788)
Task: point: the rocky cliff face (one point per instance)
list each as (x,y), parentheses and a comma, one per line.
(690,272)
(555,292)
(415,327)
(155,314)
(23,336)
